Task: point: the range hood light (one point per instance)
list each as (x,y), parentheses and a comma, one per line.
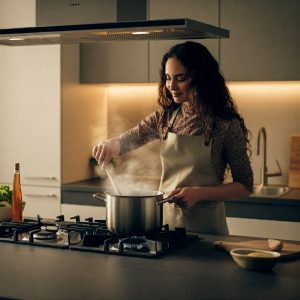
(17,39)
(140,32)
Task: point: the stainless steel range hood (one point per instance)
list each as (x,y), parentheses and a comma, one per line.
(60,30)
(116,31)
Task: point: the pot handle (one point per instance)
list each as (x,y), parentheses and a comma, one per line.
(100,196)
(168,199)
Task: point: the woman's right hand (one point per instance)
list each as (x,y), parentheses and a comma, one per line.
(105,151)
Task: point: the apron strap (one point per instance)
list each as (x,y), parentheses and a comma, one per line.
(174,114)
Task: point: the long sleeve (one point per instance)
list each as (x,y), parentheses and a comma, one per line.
(229,147)
(143,133)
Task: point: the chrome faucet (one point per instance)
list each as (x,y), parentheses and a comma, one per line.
(264,169)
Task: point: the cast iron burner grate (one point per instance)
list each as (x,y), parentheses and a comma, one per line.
(38,232)
(91,235)
(9,231)
(150,245)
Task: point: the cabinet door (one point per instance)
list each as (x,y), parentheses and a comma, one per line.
(206,11)
(84,211)
(114,62)
(30,110)
(133,62)
(43,201)
(15,13)
(264,228)
(264,40)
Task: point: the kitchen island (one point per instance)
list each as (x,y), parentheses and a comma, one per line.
(196,271)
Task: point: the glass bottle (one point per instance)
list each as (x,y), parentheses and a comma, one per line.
(17,196)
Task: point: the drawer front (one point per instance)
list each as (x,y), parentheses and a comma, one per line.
(44,201)
(84,211)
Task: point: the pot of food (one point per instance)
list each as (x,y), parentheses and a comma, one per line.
(136,214)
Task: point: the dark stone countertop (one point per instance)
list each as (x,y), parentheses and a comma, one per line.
(103,184)
(284,208)
(197,271)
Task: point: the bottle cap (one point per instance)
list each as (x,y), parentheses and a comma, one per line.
(17,166)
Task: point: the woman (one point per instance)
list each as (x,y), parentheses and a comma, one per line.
(201,134)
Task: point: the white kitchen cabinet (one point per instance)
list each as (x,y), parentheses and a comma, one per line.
(84,211)
(16,13)
(264,228)
(39,87)
(30,90)
(30,102)
(135,62)
(30,131)
(43,201)
(264,40)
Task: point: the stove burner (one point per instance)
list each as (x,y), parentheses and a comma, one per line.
(134,243)
(45,234)
(92,236)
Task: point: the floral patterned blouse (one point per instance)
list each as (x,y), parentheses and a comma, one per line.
(228,142)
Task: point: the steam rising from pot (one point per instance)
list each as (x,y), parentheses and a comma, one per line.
(127,105)
(135,174)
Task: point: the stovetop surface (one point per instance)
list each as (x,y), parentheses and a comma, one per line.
(92,236)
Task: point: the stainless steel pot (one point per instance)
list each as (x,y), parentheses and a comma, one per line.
(135,214)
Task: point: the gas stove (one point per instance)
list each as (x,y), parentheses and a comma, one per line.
(91,236)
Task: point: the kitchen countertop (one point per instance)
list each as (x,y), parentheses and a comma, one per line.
(197,271)
(98,184)
(284,208)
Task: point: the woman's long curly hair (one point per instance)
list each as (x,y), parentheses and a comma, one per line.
(208,92)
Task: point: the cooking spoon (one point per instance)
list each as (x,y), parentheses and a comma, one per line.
(113,182)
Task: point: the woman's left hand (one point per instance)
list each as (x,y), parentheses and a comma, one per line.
(185,197)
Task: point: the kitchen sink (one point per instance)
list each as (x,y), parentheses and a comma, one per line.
(269,191)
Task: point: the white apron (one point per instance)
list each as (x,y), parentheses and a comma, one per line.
(186,162)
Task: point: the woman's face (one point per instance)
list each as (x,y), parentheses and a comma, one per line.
(177,80)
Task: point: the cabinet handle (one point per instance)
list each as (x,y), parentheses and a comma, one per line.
(41,177)
(41,195)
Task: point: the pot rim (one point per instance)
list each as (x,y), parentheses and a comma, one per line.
(154,194)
